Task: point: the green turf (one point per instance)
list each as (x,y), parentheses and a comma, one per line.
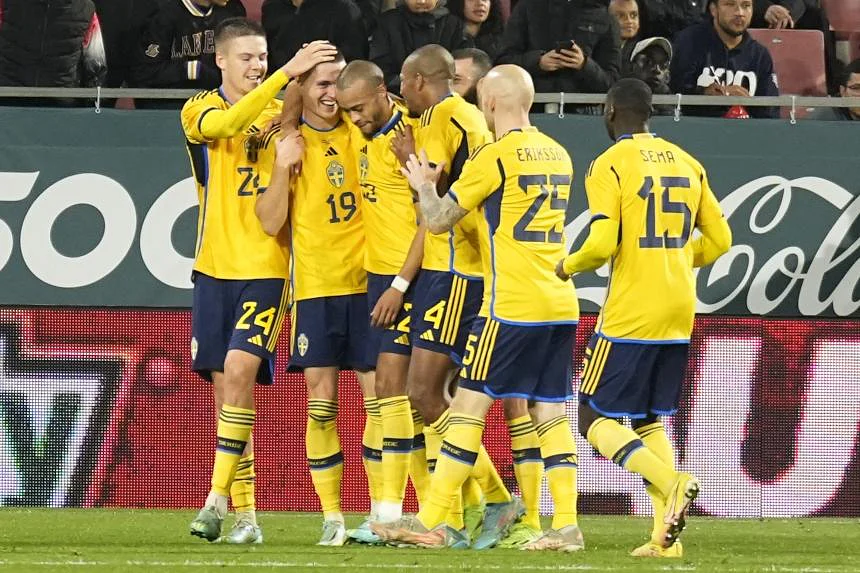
(158,541)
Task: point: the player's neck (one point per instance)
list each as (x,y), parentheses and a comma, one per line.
(231,94)
(630,129)
(505,122)
(320,123)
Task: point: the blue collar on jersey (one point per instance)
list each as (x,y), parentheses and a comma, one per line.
(303,122)
(223,95)
(389,125)
(630,136)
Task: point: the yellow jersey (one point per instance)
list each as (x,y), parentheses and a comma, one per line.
(522,185)
(326,228)
(450,131)
(657,193)
(388,207)
(231,243)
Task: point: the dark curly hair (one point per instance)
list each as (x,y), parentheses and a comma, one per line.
(493,24)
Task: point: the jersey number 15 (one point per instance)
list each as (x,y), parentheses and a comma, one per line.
(652,240)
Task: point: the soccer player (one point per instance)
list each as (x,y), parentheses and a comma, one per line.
(240,272)
(449,287)
(394,246)
(330,325)
(522,343)
(646,195)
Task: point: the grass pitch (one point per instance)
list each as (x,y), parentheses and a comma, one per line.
(158,541)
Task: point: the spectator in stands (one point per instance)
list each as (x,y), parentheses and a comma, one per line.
(849,87)
(413,24)
(719,58)
(800,15)
(484,24)
(668,17)
(567,46)
(650,61)
(470,65)
(177,48)
(291,23)
(627,14)
(50,44)
(122,23)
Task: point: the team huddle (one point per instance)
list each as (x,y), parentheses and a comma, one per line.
(419,242)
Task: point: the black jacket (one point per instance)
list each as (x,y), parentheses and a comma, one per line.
(536,25)
(400,32)
(51,43)
(490,42)
(177,48)
(668,17)
(700,56)
(287,28)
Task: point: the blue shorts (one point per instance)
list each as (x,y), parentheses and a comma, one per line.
(236,314)
(330,331)
(631,379)
(394,339)
(511,361)
(444,307)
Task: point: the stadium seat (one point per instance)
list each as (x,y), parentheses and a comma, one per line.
(253,9)
(844,15)
(798,59)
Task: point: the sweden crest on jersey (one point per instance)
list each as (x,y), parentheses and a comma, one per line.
(335,173)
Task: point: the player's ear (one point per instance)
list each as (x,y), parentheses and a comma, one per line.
(220,59)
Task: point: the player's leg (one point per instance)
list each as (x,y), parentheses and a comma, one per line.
(371,442)
(397,431)
(528,469)
(555,436)
(616,383)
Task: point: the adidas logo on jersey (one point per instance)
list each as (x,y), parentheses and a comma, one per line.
(402,339)
(257,339)
(428,335)
(330,152)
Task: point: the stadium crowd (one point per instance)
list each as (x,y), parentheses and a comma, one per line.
(572,46)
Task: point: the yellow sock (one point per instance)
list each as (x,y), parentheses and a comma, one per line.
(655,439)
(396,447)
(242,489)
(528,466)
(471,492)
(621,445)
(324,455)
(234,430)
(371,451)
(488,478)
(457,457)
(418,471)
(559,460)
(433,439)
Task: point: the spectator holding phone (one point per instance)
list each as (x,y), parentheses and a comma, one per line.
(566,45)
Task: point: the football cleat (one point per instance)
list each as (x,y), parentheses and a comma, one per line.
(409,532)
(363,534)
(520,535)
(244,533)
(473,518)
(207,524)
(566,540)
(652,549)
(498,520)
(681,496)
(333,534)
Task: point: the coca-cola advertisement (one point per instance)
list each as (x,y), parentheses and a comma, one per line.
(100,408)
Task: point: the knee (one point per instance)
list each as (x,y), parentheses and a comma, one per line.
(428,405)
(587,416)
(515,408)
(321,383)
(240,372)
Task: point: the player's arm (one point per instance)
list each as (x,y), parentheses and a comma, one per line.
(389,304)
(439,213)
(716,236)
(202,123)
(603,188)
(273,206)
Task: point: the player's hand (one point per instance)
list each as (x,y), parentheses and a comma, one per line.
(573,58)
(418,170)
(737,91)
(715,89)
(559,271)
(289,151)
(550,61)
(386,308)
(403,144)
(317,52)
(778,17)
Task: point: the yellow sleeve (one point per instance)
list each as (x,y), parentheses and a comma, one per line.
(202,122)
(716,239)
(603,189)
(481,176)
(709,207)
(434,140)
(599,245)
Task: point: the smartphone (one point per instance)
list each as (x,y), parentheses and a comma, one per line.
(564,45)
